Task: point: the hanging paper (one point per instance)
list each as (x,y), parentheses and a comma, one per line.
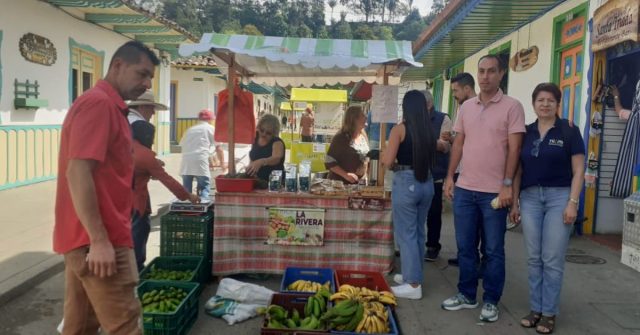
(384,104)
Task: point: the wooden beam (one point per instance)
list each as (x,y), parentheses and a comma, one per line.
(383,136)
(231,77)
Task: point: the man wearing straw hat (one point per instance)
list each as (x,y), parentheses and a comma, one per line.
(144,107)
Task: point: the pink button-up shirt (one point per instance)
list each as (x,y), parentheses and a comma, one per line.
(486,129)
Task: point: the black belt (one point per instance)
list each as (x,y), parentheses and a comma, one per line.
(397,168)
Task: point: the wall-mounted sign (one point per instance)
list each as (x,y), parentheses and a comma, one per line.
(524,59)
(37,49)
(572,30)
(614,22)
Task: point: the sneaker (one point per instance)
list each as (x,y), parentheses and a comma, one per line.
(397,278)
(489,312)
(431,254)
(458,302)
(453,261)
(407,291)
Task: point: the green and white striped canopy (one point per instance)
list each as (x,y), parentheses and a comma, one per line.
(306,61)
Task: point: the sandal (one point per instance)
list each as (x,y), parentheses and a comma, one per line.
(546,324)
(530,320)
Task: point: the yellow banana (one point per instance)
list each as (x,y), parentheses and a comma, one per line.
(362,324)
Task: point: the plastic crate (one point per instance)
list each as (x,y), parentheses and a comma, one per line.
(319,275)
(184,234)
(242,185)
(179,263)
(393,325)
(371,280)
(290,301)
(177,322)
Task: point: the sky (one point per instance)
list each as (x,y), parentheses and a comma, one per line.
(424,6)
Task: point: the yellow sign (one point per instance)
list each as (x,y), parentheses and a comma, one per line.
(614,22)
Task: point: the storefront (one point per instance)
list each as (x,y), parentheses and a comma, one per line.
(53,51)
(613,134)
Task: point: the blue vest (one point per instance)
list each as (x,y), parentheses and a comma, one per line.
(442,160)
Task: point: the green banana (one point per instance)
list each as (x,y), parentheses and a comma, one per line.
(346,309)
(324,292)
(355,320)
(290,323)
(340,320)
(273,323)
(316,307)
(308,307)
(304,322)
(321,302)
(295,316)
(276,312)
(313,324)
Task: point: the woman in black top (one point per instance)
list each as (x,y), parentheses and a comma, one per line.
(267,151)
(412,144)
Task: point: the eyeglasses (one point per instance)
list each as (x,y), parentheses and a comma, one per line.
(536,147)
(265,132)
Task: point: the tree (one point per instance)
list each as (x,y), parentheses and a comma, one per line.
(250,29)
(363,32)
(383,32)
(411,27)
(332,4)
(342,30)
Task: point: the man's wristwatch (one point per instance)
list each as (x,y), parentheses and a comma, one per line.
(507,182)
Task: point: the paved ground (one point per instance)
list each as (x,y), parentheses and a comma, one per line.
(596,299)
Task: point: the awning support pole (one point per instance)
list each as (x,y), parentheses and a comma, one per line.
(383,137)
(231,79)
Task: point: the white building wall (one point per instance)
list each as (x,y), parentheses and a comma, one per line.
(30,16)
(540,34)
(194,95)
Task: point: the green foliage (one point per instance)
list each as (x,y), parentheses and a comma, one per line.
(299,18)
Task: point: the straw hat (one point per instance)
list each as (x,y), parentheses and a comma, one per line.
(146,99)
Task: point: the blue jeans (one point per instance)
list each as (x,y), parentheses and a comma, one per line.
(410,200)
(203,185)
(472,209)
(546,237)
(140,228)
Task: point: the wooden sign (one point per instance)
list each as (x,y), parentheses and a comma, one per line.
(37,49)
(524,59)
(572,30)
(614,22)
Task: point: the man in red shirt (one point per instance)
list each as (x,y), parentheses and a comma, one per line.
(94,200)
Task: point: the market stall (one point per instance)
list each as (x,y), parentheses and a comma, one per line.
(340,228)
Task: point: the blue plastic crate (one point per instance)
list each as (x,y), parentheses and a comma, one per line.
(319,275)
(392,324)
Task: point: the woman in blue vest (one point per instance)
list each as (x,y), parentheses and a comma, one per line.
(548,183)
(411,154)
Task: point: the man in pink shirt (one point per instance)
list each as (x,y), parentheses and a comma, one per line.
(489,131)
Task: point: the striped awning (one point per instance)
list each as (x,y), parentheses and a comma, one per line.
(292,61)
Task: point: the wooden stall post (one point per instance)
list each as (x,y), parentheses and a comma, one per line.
(383,137)
(231,78)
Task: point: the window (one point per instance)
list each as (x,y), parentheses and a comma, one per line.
(504,52)
(86,69)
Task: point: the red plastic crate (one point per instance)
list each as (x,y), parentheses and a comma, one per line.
(371,280)
(242,185)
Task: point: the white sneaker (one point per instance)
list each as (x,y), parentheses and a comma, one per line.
(407,291)
(398,279)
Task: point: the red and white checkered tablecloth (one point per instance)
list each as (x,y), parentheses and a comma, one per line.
(353,239)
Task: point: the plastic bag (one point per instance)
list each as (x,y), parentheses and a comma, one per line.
(236,301)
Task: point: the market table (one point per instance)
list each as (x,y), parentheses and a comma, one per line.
(353,239)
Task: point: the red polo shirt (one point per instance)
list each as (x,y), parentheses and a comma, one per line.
(96,128)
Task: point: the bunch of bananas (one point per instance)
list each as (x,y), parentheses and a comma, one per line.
(363,294)
(317,304)
(375,319)
(278,317)
(307,286)
(363,317)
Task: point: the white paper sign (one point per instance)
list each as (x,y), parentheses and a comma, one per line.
(384,104)
(299,105)
(319,147)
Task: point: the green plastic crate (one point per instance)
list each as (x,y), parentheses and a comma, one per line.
(188,235)
(179,263)
(178,322)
